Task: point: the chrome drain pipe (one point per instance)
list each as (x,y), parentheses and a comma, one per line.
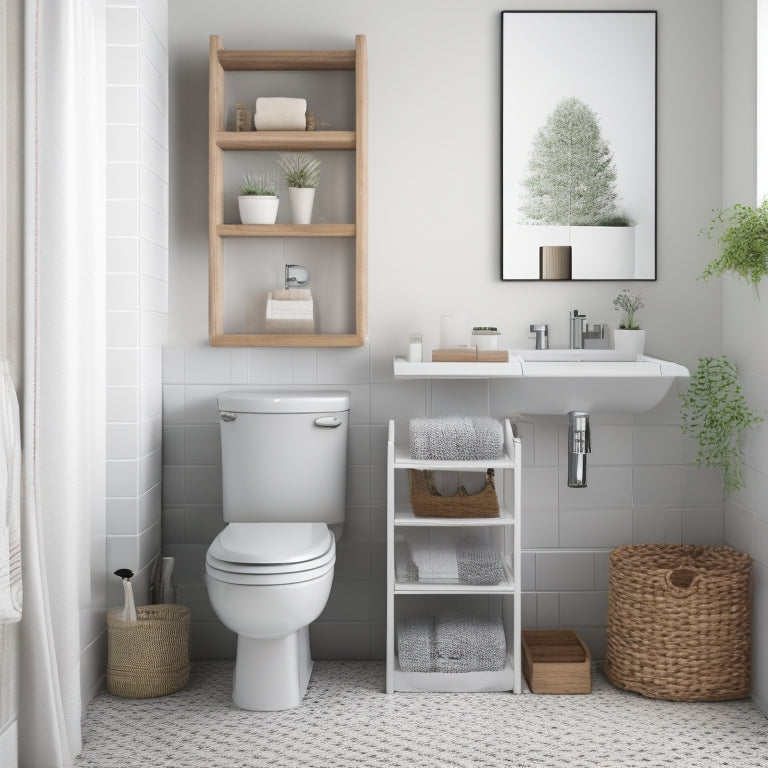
(579,445)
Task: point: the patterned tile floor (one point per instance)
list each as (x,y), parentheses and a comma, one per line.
(347,721)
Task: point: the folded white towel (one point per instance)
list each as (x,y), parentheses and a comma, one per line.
(292,294)
(436,559)
(289,315)
(288,309)
(279,113)
(10,499)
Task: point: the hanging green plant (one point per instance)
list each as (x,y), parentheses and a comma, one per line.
(715,413)
(743,238)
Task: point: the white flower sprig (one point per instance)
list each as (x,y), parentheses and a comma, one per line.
(629,304)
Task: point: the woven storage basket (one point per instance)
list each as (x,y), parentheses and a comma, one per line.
(427,501)
(148,657)
(679,621)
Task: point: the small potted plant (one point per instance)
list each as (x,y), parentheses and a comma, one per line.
(258,200)
(302,175)
(743,240)
(628,337)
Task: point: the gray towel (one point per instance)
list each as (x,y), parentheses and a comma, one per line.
(457,438)
(479,562)
(405,568)
(416,645)
(469,644)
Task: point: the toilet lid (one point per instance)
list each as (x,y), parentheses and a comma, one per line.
(290,546)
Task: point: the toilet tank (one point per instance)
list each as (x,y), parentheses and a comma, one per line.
(284,455)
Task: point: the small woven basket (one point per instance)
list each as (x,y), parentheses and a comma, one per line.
(679,621)
(427,501)
(148,657)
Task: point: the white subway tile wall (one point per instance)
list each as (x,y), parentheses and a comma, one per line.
(642,487)
(137,273)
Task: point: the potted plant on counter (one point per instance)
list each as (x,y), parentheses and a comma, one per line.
(629,337)
(258,200)
(743,240)
(302,175)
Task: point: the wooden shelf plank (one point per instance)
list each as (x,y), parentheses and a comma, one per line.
(286,340)
(252,61)
(284,140)
(285,230)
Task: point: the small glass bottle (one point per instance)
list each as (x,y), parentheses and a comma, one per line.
(414,348)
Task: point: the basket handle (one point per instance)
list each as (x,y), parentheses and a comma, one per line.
(681,580)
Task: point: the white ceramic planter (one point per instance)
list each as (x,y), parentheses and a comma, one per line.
(631,343)
(302,199)
(258,209)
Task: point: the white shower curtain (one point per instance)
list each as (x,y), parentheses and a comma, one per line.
(64,379)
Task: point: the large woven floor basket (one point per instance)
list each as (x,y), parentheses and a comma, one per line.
(148,657)
(679,621)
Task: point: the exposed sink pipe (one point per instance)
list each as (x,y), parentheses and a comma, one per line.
(579,445)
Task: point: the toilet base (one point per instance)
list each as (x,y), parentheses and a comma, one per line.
(272,673)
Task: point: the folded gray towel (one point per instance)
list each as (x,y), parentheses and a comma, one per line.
(416,645)
(469,644)
(457,438)
(405,568)
(479,562)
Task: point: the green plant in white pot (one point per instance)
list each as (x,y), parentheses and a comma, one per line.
(714,412)
(258,200)
(629,338)
(301,172)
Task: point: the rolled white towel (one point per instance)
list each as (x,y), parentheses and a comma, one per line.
(280,113)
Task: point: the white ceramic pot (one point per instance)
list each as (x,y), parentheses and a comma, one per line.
(258,209)
(302,199)
(630,343)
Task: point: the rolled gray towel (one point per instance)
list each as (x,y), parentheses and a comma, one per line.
(469,644)
(478,561)
(456,438)
(416,645)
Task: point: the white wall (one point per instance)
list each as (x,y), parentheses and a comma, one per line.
(434,247)
(137,279)
(745,319)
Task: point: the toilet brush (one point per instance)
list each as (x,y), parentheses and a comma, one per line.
(129,608)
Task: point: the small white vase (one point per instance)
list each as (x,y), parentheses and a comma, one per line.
(258,209)
(628,342)
(302,199)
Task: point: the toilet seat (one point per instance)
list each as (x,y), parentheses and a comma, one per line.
(271,553)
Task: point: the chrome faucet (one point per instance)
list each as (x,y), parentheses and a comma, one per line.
(577,330)
(541,332)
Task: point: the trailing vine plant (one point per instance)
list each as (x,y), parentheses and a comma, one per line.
(715,413)
(743,239)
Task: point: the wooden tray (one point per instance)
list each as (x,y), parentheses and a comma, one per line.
(556,661)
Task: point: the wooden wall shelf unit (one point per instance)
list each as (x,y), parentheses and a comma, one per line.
(222,140)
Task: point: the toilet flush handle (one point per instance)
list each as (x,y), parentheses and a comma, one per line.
(328,421)
(227,415)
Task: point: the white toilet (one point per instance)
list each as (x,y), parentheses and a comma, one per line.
(269,572)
